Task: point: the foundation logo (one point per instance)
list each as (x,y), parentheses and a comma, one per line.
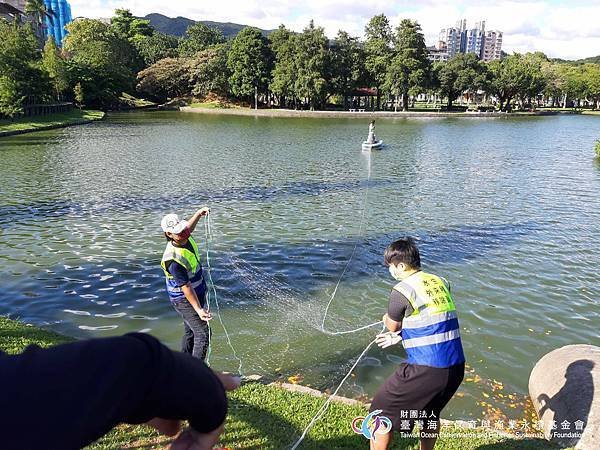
(372,425)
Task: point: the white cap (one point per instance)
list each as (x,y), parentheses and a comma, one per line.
(171,223)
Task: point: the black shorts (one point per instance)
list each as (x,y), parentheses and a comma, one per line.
(415,393)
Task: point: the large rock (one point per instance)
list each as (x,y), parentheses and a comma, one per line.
(565,390)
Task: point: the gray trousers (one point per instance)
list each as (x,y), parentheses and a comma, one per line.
(196,334)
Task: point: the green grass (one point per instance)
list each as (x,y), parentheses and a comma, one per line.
(212,105)
(15,336)
(134,102)
(268,417)
(40,122)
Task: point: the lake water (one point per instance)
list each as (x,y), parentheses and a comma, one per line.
(508,209)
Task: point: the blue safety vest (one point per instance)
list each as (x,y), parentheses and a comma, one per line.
(431,333)
(191,261)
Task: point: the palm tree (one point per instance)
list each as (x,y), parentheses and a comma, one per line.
(40,12)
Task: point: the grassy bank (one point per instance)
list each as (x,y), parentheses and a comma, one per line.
(269,417)
(37,123)
(211,108)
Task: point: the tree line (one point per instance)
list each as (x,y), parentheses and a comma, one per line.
(99,61)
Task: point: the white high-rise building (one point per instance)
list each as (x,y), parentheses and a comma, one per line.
(459,39)
(475,39)
(493,45)
(451,39)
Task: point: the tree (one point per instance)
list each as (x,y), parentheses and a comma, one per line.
(347,64)
(20,62)
(199,37)
(591,75)
(11,100)
(156,47)
(311,62)
(167,78)
(506,76)
(56,67)
(101,61)
(40,13)
(283,76)
(409,70)
(553,81)
(378,51)
(250,63)
(78,95)
(532,80)
(462,73)
(208,73)
(129,27)
(574,84)
(18,49)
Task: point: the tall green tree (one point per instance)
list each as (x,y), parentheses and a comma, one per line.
(553,81)
(11,98)
(378,51)
(130,30)
(574,85)
(532,80)
(156,47)
(127,26)
(409,70)
(591,74)
(18,48)
(199,37)
(347,64)
(20,64)
(40,13)
(283,76)
(462,73)
(100,60)
(250,62)
(505,79)
(312,58)
(56,67)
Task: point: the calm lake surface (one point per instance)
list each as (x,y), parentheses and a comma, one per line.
(507,209)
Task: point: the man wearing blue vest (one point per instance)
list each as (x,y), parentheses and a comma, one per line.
(422,314)
(185,281)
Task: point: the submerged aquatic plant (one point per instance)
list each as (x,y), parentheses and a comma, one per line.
(597,148)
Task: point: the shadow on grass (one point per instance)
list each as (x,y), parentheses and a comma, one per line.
(252,427)
(263,419)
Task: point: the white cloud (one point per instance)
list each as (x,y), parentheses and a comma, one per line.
(568,29)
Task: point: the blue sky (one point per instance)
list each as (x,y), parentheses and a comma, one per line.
(559,28)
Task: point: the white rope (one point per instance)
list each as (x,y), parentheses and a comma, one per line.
(208,232)
(323,409)
(360,237)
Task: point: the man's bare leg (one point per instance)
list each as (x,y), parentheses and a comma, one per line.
(382,442)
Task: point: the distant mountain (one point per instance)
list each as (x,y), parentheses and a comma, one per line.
(177,26)
(591,59)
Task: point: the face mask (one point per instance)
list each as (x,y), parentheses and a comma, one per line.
(185,234)
(392,272)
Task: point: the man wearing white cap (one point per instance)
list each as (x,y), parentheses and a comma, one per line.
(185,281)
